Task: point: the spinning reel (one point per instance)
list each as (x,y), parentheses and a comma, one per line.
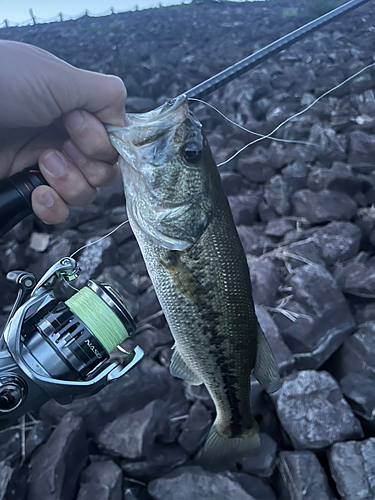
(60,350)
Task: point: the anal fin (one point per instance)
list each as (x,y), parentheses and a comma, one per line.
(265,370)
(180,369)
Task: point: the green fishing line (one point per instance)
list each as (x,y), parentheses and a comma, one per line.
(98,317)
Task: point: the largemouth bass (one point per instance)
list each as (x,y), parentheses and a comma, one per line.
(182,221)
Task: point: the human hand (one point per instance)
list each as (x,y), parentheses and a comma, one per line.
(53,113)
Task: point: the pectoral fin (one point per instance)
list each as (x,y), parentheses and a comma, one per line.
(265,370)
(182,277)
(180,369)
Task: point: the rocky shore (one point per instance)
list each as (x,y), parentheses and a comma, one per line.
(305,213)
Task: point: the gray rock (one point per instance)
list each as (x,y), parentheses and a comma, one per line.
(255,486)
(195,428)
(359,390)
(256,167)
(264,463)
(146,382)
(338,241)
(295,175)
(244,207)
(55,468)
(277,195)
(357,354)
(324,206)
(161,460)
(360,148)
(265,281)
(186,483)
(253,240)
(37,435)
(302,477)
(353,469)
(10,445)
(13,482)
(101,481)
(132,435)
(199,393)
(323,319)
(233,184)
(284,358)
(279,227)
(357,279)
(93,258)
(319,178)
(313,412)
(330,145)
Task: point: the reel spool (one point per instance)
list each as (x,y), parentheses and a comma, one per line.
(58,349)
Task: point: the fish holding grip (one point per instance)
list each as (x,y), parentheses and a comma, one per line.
(15,197)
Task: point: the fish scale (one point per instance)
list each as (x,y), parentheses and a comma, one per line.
(198,269)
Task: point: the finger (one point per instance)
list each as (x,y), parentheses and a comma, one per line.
(89,135)
(97,173)
(66,179)
(48,205)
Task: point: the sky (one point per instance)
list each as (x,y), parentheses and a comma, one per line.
(18,10)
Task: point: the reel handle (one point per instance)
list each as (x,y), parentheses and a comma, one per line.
(15,197)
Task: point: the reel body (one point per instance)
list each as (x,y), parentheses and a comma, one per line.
(49,351)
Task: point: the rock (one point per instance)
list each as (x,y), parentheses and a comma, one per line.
(324,206)
(264,463)
(195,428)
(330,145)
(132,435)
(301,252)
(265,281)
(338,241)
(13,257)
(256,167)
(313,412)
(360,147)
(253,241)
(357,279)
(55,468)
(277,195)
(101,481)
(359,390)
(254,486)
(39,242)
(186,483)
(199,393)
(10,445)
(302,477)
(244,208)
(295,175)
(279,227)
(233,184)
(284,358)
(352,466)
(147,381)
(37,435)
(161,460)
(357,354)
(13,482)
(93,258)
(323,319)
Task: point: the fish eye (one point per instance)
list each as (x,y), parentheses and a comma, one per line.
(191,153)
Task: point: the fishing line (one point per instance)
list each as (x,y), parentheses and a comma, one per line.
(268,136)
(251,131)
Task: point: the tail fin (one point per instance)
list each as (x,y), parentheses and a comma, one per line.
(221,451)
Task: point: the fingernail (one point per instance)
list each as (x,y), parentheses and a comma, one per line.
(75,120)
(54,163)
(47,200)
(72,152)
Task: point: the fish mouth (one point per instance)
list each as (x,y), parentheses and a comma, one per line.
(151,118)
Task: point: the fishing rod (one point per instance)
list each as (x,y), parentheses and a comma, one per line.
(241,67)
(60,349)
